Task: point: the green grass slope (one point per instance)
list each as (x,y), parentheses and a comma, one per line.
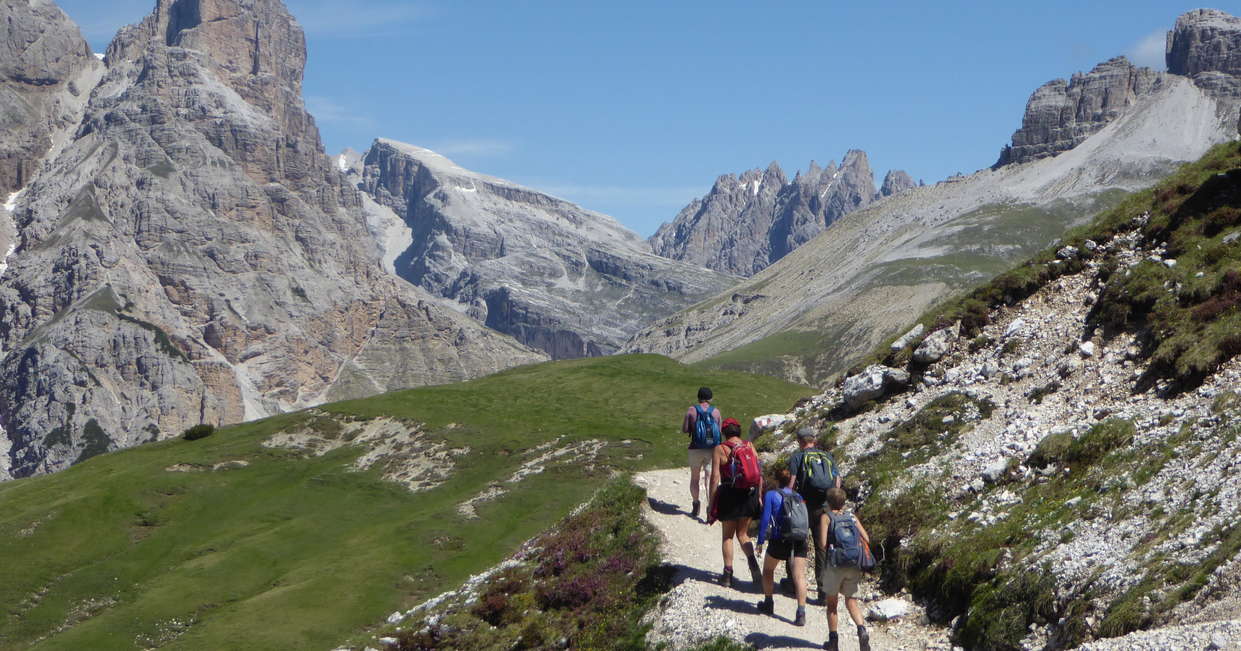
(294,552)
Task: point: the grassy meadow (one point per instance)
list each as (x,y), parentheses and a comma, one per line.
(286,552)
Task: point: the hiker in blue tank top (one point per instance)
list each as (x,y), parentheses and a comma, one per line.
(702,424)
(814,471)
(786,522)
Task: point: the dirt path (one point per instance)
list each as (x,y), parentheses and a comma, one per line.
(698,608)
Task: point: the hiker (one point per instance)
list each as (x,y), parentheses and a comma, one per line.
(813,472)
(702,423)
(844,541)
(734,496)
(787,523)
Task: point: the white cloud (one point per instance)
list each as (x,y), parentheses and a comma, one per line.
(327,110)
(336,19)
(1149,51)
(477,148)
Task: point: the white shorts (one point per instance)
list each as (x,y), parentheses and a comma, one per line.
(700,459)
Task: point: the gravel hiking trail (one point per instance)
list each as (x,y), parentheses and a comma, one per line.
(698,608)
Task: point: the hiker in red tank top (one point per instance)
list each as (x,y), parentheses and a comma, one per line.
(733,500)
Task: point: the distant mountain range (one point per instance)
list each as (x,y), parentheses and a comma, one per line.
(746,223)
(1083,143)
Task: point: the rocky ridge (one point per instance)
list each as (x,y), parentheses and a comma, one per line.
(191,255)
(557,277)
(839,295)
(1060,115)
(46,73)
(747,222)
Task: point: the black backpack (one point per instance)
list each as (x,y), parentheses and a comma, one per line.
(816,474)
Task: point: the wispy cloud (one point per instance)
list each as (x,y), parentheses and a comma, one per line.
(337,19)
(327,110)
(473,147)
(1150,50)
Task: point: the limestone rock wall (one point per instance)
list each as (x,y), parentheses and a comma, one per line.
(193,256)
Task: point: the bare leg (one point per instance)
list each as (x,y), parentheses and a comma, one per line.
(730,530)
(799,579)
(855,611)
(743,531)
(833,621)
(769,574)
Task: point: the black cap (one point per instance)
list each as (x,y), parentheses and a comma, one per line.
(704,394)
(807,434)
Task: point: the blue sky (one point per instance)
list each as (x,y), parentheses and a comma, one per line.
(633,108)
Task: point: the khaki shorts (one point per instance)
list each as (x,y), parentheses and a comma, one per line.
(839,580)
(700,459)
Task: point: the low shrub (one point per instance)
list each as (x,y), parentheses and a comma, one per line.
(198,432)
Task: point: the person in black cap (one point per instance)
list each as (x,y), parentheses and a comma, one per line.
(702,424)
(814,472)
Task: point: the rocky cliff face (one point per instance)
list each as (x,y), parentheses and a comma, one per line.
(840,294)
(746,223)
(1060,115)
(191,255)
(1204,46)
(1205,40)
(565,280)
(896,182)
(46,73)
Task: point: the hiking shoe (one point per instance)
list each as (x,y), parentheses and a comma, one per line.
(800,619)
(767,607)
(832,643)
(693,513)
(863,639)
(726,579)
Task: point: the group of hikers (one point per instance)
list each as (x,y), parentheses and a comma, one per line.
(800,506)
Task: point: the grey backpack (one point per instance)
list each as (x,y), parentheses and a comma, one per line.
(794,519)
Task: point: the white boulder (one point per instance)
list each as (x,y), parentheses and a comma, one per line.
(887,609)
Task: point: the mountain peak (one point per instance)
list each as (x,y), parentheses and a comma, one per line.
(1204,40)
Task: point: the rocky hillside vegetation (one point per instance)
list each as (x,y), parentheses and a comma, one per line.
(1085,143)
(1052,458)
(185,252)
(307,530)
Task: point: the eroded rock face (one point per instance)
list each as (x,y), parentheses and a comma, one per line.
(46,72)
(193,256)
(1205,40)
(1205,45)
(896,182)
(1062,114)
(746,223)
(568,281)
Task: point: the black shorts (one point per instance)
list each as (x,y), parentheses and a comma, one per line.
(780,549)
(737,503)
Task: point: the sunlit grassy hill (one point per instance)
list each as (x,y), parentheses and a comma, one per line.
(223,542)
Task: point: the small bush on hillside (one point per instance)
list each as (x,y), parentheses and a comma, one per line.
(1052,449)
(594,577)
(1105,437)
(198,432)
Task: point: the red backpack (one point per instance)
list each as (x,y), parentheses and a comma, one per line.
(741,469)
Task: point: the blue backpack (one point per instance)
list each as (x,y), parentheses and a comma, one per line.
(706,430)
(845,549)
